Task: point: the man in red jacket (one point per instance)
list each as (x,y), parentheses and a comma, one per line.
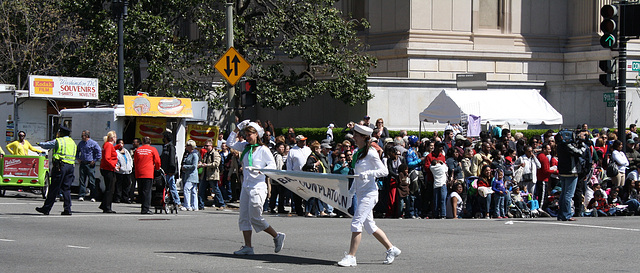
(543,173)
(147,160)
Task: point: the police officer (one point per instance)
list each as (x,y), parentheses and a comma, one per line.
(64,156)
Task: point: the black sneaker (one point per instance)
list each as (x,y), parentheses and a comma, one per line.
(41,210)
(66,212)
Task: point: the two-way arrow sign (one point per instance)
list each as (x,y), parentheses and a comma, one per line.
(232,66)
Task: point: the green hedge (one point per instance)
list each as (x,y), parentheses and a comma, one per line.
(338,135)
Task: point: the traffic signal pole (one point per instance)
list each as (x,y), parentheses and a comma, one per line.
(622,91)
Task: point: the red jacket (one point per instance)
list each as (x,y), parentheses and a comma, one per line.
(147,160)
(109,157)
(544,172)
(427,163)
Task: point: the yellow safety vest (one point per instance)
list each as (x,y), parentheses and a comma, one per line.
(65,150)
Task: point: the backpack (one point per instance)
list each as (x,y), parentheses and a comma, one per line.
(566,136)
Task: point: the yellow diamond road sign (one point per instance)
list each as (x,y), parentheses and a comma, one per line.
(232,66)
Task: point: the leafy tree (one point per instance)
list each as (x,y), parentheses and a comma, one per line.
(301,49)
(298,49)
(36,38)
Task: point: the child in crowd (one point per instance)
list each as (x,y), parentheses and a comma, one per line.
(497,185)
(600,205)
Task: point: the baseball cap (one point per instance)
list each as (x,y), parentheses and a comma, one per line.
(367,117)
(300,137)
(325,146)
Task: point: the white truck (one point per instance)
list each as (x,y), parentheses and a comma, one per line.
(99,121)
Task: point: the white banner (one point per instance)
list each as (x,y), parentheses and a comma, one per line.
(63,87)
(332,189)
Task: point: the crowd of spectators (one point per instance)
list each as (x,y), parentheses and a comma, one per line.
(499,174)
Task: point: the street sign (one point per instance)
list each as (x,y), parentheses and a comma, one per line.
(635,66)
(611,104)
(232,66)
(609,97)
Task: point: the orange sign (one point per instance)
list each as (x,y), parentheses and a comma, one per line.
(232,66)
(144,106)
(43,86)
(151,127)
(200,133)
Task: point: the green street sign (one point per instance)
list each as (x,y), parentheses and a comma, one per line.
(609,97)
(635,66)
(611,104)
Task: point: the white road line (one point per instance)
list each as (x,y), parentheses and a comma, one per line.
(81,247)
(7,240)
(163,256)
(577,225)
(168,216)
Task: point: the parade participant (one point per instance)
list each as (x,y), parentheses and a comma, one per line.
(88,153)
(147,161)
(64,156)
(108,168)
(368,167)
(254,188)
(21,146)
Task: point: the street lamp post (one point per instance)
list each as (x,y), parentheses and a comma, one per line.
(119,8)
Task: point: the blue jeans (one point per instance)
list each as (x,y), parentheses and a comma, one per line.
(171,184)
(86,174)
(498,206)
(485,204)
(218,201)
(568,184)
(439,202)
(409,206)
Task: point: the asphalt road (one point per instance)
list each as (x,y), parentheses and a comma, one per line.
(203,241)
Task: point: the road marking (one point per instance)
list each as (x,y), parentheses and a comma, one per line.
(7,240)
(270,268)
(81,247)
(577,225)
(163,256)
(97,214)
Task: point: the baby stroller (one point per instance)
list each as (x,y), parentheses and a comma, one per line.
(517,211)
(160,196)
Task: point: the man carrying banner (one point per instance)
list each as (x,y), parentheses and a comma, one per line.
(254,188)
(367,166)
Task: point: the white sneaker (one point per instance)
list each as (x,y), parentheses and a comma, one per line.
(196,209)
(245,250)
(279,241)
(392,253)
(348,260)
(81,199)
(93,199)
(183,209)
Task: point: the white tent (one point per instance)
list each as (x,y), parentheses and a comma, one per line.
(513,106)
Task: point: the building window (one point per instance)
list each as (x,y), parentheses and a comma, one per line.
(491,14)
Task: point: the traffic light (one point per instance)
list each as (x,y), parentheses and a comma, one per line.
(609,67)
(248,93)
(609,26)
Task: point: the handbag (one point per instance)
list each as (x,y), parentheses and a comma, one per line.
(527,177)
(612,169)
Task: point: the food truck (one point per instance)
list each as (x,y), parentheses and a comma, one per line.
(138,117)
(36,112)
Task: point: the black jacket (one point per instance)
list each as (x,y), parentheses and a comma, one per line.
(168,159)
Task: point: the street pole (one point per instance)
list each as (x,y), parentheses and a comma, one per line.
(120,12)
(622,92)
(231,90)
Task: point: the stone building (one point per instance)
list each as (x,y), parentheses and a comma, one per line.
(421,45)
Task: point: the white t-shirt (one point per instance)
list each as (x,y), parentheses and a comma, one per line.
(450,206)
(439,172)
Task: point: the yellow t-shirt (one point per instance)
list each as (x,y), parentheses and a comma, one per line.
(17,148)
